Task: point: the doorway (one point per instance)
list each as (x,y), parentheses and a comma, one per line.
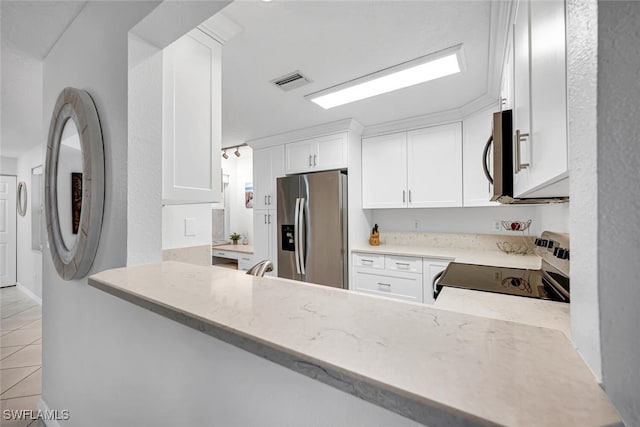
(8,242)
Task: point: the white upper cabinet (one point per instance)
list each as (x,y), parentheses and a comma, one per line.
(540,108)
(477,129)
(317,154)
(506,89)
(434,167)
(268,165)
(416,169)
(191,120)
(384,171)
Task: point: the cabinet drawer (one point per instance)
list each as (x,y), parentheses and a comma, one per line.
(403,263)
(225,254)
(404,286)
(368,260)
(245,262)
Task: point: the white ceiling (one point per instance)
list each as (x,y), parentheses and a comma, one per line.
(29,30)
(332,42)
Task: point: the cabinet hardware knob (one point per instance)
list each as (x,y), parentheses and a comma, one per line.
(519,138)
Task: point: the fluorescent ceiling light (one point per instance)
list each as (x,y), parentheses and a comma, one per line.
(410,73)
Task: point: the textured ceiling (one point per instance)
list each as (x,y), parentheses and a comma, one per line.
(333,42)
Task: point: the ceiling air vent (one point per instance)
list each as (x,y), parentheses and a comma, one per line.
(291,81)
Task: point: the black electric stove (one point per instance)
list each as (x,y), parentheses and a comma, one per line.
(551,282)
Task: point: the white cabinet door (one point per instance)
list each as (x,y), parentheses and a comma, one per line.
(331,152)
(264,237)
(548,146)
(476,188)
(317,154)
(261,178)
(299,156)
(191,120)
(434,158)
(431,269)
(384,171)
(521,97)
(268,165)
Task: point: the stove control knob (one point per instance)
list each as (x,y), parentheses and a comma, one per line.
(550,244)
(561,253)
(565,255)
(555,251)
(538,242)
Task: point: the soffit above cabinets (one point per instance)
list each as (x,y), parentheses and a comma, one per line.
(334,42)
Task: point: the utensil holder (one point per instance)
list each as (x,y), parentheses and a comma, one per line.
(374,239)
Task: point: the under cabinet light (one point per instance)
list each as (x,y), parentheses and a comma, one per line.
(420,70)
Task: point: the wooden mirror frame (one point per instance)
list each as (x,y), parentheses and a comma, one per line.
(77,105)
(21,199)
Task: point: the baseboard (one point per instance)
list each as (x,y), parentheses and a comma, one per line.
(29,293)
(44,408)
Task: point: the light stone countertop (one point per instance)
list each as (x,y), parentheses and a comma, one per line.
(245,249)
(434,366)
(467,256)
(530,311)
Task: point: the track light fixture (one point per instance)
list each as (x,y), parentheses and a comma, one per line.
(237,152)
(225,155)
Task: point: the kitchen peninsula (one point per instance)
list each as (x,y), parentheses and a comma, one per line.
(431,366)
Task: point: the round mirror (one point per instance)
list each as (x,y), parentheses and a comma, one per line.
(22,198)
(74,183)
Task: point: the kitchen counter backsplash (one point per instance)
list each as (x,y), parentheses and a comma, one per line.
(451,240)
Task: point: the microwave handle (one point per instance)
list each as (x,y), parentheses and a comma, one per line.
(485,159)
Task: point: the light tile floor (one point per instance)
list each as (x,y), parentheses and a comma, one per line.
(20,354)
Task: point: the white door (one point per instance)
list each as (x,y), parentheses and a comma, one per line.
(272,223)
(434,159)
(8,241)
(276,156)
(384,171)
(261,248)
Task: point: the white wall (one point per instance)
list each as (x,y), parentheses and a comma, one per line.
(582,56)
(29,260)
(20,126)
(240,171)
(91,55)
(173,225)
(478,220)
(144,165)
(8,165)
(618,195)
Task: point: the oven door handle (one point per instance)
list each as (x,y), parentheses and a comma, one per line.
(436,287)
(485,159)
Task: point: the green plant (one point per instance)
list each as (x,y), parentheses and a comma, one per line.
(235,237)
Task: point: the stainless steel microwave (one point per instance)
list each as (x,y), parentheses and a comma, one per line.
(500,173)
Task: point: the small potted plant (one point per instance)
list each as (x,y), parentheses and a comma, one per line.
(235,237)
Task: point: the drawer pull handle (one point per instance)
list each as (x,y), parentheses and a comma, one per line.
(387,286)
(406,264)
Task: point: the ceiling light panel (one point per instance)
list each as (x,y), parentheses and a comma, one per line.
(410,73)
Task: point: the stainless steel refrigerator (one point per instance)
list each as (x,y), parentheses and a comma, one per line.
(312,228)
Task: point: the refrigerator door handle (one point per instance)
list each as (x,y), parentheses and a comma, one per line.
(303,240)
(296,231)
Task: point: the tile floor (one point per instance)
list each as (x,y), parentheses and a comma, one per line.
(20,354)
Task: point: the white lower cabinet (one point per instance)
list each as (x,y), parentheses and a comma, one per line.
(245,262)
(405,286)
(400,277)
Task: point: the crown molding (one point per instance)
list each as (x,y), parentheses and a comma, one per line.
(432,119)
(220,27)
(345,125)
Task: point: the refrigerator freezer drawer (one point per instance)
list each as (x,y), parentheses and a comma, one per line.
(368,260)
(403,263)
(404,286)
